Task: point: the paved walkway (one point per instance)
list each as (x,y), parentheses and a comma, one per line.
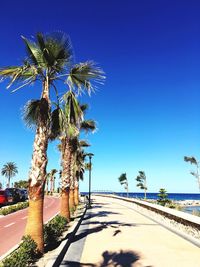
(113,234)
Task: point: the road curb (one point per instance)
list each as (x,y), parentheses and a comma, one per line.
(57,257)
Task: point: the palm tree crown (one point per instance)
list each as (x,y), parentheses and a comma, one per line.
(9,170)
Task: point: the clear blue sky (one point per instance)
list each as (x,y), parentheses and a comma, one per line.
(148,111)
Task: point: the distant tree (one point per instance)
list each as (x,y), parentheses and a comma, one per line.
(21,184)
(142,182)
(52,180)
(9,170)
(196,174)
(163,197)
(124,181)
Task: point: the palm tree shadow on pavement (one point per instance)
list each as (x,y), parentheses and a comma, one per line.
(111,259)
(100,226)
(99,214)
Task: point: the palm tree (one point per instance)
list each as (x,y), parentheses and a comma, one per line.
(9,170)
(52,178)
(49,60)
(79,168)
(64,122)
(194,161)
(47,183)
(124,181)
(142,182)
(67,124)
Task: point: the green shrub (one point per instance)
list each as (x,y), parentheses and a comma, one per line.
(54,229)
(175,206)
(27,251)
(24,255)
(13,208)
(163,198)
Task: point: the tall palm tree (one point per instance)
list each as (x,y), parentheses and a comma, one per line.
(9,170)
(142,182)
(64,121)
(124,181)
(66,124)
(79,155)
(49,60)
(47,183)
(52,178)
(79,168)
(196,173)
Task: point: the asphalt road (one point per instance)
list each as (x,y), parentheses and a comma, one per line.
(12,226)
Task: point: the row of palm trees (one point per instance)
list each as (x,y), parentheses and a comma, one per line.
(141,182)
(49,62)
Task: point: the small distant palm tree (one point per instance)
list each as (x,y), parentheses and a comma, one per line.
(9,170)
(79,167)
(124,181)
(142,182)
(52,179)
(194,161)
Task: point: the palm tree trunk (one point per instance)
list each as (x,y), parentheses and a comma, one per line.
(66,167)
(71,199)
(76,194)
(71,194)
(8,185)
(34,226)
(145,194)
(47,187)
(64,205)
(54,184)
(37,177)
(51,185)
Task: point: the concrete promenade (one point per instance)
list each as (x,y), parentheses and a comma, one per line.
(112,233)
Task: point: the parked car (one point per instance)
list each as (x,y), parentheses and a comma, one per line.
(16,194)
(5,197)
(24,194)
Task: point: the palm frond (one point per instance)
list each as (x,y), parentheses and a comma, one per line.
(88,125)
(84,76)
(57,123)
(52,51)
(35,55)
(58,50)
(73,113)
(122,179)
(83,143)
(84,107)
(192,160)
(19,74)
(36,111)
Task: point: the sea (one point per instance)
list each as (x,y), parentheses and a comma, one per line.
(172,196)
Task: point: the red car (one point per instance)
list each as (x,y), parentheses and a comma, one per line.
(5,197)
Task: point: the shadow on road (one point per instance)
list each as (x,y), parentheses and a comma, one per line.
(110,258)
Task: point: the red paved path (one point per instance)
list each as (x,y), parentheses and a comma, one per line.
(12,226)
